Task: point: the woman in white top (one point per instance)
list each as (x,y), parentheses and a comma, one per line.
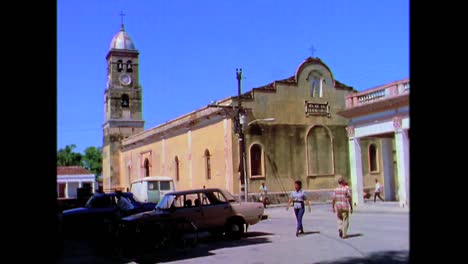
(298,198)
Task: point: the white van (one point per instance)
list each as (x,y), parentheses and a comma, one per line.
(152,189)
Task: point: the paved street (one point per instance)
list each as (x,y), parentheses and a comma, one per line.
(375,237)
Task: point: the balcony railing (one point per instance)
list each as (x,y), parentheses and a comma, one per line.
(378,93)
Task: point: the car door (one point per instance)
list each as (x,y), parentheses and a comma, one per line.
(152,192)
(102,209)
(185,206)
(216,209)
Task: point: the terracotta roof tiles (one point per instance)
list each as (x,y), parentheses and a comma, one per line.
(72,170)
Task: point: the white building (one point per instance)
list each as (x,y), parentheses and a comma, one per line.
(70,178)
(381,113)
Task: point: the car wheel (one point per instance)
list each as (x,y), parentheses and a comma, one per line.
(235,229)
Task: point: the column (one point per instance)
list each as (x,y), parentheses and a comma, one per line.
(66,189)
(402,154)
(388,169)
(355,162)
(92,187)
(80,184)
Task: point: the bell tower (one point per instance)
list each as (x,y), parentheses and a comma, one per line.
(122,104)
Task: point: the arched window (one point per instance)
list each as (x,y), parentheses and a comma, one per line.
(316,81)
(119,65)
(146,166)
(177,175)
(256,161)
(208,164)
(129,66)
(316,87)
(373,159)
(320,152)
(125,100)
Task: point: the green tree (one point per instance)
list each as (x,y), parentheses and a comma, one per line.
(92,160)
(67,157)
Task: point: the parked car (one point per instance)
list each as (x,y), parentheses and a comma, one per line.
(214,210)
(152,189)
(98,215)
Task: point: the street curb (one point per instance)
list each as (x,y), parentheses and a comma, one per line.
(285,204)
(379,212)
(361,210)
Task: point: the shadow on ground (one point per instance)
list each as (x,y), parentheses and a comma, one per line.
(384,257)
(309,233)
(205,248)
(93,252)
(353,235)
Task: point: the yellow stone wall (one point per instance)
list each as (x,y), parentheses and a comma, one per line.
(189,147)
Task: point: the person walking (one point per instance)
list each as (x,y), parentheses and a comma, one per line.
(263,194)
(342,205)
(298,199)
(346,185)
(377,190)
(204,198)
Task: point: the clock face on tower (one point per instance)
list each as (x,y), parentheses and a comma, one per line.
(125,79)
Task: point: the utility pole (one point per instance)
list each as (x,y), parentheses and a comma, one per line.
(239,123)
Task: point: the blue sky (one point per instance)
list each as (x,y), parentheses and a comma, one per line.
(189,51)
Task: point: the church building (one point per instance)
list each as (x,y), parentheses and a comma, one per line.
(292,132)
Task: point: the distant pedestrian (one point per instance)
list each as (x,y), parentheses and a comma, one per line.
(377,191)
(342,205)
(298,198)
(204,198)
(263,194)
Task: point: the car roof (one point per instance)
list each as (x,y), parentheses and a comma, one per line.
(112,194)
(196,191)
(154,178)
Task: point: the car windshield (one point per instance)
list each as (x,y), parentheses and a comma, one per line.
(89,202)
(229,197)
(99,201)
(164,185)
(166,202)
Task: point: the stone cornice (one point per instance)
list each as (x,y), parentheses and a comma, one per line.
(124,123)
